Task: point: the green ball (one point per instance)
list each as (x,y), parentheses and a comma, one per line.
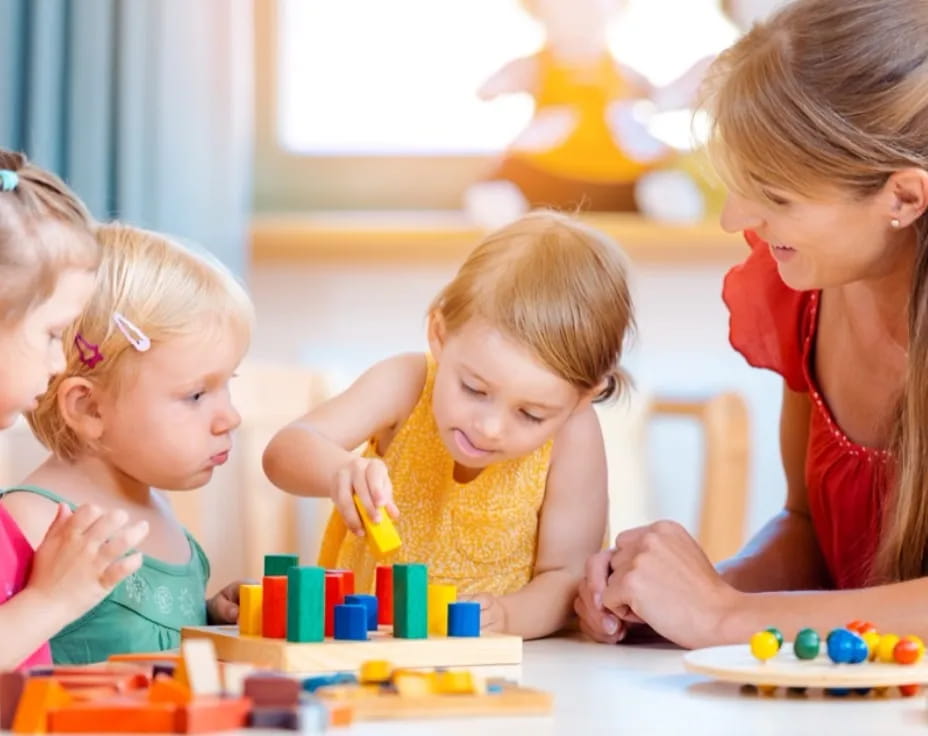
(779,637)
(807,644)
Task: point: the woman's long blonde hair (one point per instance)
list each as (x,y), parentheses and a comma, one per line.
(834,93)
(554,285)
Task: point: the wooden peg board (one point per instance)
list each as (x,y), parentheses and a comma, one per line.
(513,700)
(736,664)
(332,655)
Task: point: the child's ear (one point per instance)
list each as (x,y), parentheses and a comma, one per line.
(437,333)
(79,404)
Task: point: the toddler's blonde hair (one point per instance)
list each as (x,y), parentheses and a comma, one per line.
(163,288)
(44,229)
(554,285)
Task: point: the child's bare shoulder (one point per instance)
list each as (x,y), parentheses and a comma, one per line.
(401,378)
(31,512)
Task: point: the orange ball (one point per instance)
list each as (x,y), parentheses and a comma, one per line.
(908,651)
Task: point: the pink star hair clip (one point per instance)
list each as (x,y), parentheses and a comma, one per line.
(89,353)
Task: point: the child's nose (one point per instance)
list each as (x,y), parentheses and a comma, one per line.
(490,425)
(227,420)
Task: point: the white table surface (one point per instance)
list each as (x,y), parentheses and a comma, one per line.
(643,689)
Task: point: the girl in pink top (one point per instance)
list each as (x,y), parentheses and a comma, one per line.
(48,258)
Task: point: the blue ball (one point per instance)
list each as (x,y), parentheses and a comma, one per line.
(841,646)
(859,650)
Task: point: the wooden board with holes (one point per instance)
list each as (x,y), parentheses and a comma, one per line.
(332,655)
(736,664)
(512,700)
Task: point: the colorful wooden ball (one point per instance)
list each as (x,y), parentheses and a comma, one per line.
(846,647)
(860,652)
(764,645)
(908,691)
(807,644)
(779,636)
(908,651)
(861,627)
(884,650)
(873,642)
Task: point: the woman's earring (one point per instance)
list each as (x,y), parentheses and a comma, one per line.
(895,223)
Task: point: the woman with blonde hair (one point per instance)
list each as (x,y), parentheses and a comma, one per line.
(821,129)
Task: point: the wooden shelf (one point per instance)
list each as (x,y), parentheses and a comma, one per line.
(441,237)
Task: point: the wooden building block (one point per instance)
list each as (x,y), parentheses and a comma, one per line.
(233,677)
(382,535)
(410,601)
(350,622)
(439,596)
(334,596)
(279,565)
(383,589)
(375,670)
(11,689)
(118,715)
(306,604)
(370,605)
(464,619)
(211,714)
(200,667)
(250,604)
(146,658)
(39,697)
(274,607)
(348,580)
(168,690)
(267,690)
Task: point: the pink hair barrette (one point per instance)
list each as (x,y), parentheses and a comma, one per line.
(89,353)
(137,339)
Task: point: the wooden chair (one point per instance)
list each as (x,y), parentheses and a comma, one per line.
(723,421)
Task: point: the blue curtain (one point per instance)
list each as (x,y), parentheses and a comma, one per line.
(143,106)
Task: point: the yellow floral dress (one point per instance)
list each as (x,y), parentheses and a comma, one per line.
(480,536)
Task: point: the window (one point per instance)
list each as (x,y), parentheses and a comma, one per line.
(360,82)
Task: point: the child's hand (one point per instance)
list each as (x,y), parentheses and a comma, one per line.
(222,608)
(368,479)
(597,622)
(492,612)
(83,556)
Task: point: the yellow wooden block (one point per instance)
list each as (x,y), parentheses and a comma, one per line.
(454,682)
(382,535)
(249,609)
(375,670)
(439,598)
(411,684)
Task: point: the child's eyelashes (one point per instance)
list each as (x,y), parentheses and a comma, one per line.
(531,417)
(471,390)
(196,396)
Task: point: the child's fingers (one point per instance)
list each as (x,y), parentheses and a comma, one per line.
(120,569)
(106,526)
(122,541)
(344,502)
(84,517)
(224,611)
(381,490)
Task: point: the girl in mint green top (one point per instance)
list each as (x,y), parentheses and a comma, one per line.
(142,404)
(144,613)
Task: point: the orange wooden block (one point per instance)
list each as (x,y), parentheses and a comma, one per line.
(120,682)
(116,715)
(213,714)
(168,690)
(40,696)
(340,714)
